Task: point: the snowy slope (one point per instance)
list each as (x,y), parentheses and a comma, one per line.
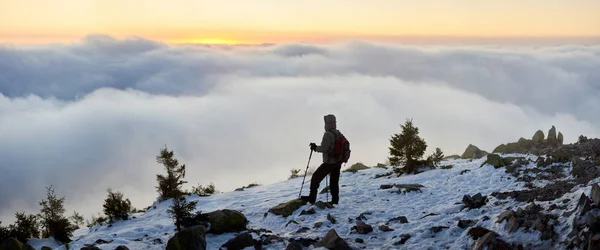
(359,193)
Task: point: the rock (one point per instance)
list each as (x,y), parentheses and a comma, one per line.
(331,219)
(308,211)
(559,139)
(538,137)
(318,224)
(593,242)
(121,247)
(88,248)
(478,232)
(286,209)
(464,171)
(359,240)
(401,219)
(363,228)
(485,218)
(191,238)
(476,201)
(239,189)
(240,242)
(403,239)
(290,222)
(506,215)
(157,241)
(333,241)
(465,223)
(552,140)
(226,220)
(323,205)
(596,194)
(386,186)
(512,224)
(49,248)
(494,160)
(488,238)
(11,244)
(593,221)
(269,238)
(583,205)
(438,229)
(293,246)
(473,151)
(303,230)
(385,228)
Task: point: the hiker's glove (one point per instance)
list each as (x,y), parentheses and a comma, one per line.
(313,146)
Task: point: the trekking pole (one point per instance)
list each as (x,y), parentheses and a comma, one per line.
(306,171)
(327,185)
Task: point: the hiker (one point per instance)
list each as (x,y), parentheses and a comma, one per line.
(332,162)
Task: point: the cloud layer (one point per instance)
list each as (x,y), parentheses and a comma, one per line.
(93,115)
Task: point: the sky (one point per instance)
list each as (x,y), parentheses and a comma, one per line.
(279,21)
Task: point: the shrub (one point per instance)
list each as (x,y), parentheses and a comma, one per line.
(97,220)
(54,223)
(407,147)
(115,207)
(204,191)
(4,232)
(294,173)
(169,186)
(356,167)
(25,227)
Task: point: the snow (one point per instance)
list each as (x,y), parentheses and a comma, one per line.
(359,193)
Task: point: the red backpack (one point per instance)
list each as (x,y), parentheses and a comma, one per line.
(341,148)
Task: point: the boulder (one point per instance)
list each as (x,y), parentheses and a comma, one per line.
(90,248)
(333,241)
(538,137)
(331,219)
(191,238)
(293,246)
(478,232)
(240,242)
(512,225)
(494,160)
(476,201)
(11,244)
(491,241)
(308,211)
(552,140)
(403,239)
(559,139)
(121,247)
(363,228)
(286,209)
(506,215)
(323,205)
(49,248)
(473,151)
(438,229)
(359,240)
(225,221)
(596,194)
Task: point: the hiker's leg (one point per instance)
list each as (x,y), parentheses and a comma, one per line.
(335,182)
(316,179)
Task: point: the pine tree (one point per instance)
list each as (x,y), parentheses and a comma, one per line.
(181,211)
(437,156)
(77,219)
(4,232)
(407,147)
(169,186)
(54,223)
(115,207)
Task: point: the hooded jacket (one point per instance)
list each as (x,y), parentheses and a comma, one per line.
(328,140)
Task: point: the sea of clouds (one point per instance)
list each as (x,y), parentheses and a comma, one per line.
(91,115)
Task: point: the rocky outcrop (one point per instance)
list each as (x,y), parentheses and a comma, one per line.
(538,137)
(559,138)
(586,224)
(286,209)
(530,217)
(333,241)
(191,238)
(494,160)
(226,220)
(552,140)
(472,152)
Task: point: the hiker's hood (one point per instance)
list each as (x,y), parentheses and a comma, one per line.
(330,122)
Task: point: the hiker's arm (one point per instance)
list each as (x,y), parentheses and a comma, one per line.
(326,143)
